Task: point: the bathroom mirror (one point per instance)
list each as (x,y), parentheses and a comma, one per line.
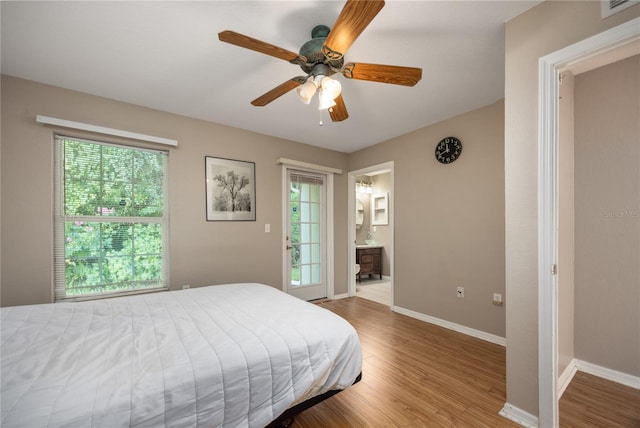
(359,214)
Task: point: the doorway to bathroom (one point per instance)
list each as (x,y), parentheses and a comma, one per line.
(370,237)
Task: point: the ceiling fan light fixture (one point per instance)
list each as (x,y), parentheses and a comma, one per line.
(323,56)
(325,100)
(331,87)
(306,90)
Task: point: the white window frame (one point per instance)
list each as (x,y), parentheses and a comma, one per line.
(59,219)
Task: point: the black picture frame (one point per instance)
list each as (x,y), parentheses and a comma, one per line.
(230,187)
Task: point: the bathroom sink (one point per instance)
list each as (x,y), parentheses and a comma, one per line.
(370,241)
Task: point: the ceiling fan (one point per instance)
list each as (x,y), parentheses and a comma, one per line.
(323,56)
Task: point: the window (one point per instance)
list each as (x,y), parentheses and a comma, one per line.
(111,221)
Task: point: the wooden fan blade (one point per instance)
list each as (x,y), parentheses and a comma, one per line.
(355,16)
(395,74)
(277,92)
(256,45)
(338,112)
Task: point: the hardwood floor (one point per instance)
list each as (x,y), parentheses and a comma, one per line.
(590,401)
(417,374)
(414,374)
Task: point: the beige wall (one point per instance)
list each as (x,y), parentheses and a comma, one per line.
(449,219)
(449,224)
(540,31)
(202,252)
(607,222)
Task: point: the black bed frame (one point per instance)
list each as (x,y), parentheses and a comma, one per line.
(286,419)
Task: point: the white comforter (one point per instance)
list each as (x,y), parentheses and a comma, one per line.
(229,355)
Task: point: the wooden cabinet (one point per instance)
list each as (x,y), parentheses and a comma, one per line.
(370,261)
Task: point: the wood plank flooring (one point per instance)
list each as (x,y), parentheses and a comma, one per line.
(417,374)
(590,401)
(414,374)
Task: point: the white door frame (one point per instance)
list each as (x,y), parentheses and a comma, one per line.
(329,182)
(549,70)
(351,230)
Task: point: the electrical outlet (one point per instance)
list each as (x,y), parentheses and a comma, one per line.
(460,292)
(497,299)
(184,287)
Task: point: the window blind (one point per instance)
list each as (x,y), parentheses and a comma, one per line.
(111,222)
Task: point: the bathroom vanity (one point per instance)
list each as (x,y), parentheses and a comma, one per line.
(370,260)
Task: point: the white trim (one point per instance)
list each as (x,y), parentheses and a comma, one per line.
(452,326)
(46,120)
(586,49)
(351,235)
(609,374)
(329,181)
(340,296)
(518,416)
(285,232)
(549,68)
(308,166)
(330,259)
(547,243)
(612,375)
(566,376)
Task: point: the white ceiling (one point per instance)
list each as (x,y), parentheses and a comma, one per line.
(167,56)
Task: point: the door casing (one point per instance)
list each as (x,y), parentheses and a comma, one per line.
(329,182)
(549,69)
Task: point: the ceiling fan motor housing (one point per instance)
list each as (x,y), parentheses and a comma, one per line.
(312,51)
(323,56)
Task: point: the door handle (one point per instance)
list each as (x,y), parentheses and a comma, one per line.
(288,247)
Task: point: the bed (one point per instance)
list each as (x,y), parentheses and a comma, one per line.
(236,355)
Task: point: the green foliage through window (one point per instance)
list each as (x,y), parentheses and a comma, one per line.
(305,225)
(111,218)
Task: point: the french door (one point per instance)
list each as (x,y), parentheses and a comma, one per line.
(305,247)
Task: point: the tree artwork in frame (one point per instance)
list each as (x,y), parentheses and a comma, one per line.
(231,189)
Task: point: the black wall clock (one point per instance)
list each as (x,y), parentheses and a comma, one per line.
(448,150)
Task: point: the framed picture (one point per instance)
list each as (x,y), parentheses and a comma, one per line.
(231,189)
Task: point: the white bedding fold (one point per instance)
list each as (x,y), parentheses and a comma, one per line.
(229,355)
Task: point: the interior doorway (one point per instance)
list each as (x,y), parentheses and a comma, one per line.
(370,233)
(607,47)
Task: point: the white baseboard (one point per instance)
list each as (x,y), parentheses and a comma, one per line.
(519,416)
(452,326)
(612,375)
(605,373)
(340,296)
(566,376)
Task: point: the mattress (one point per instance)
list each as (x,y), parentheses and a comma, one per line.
(234,355)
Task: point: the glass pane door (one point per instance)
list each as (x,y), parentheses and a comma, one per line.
(306,235)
